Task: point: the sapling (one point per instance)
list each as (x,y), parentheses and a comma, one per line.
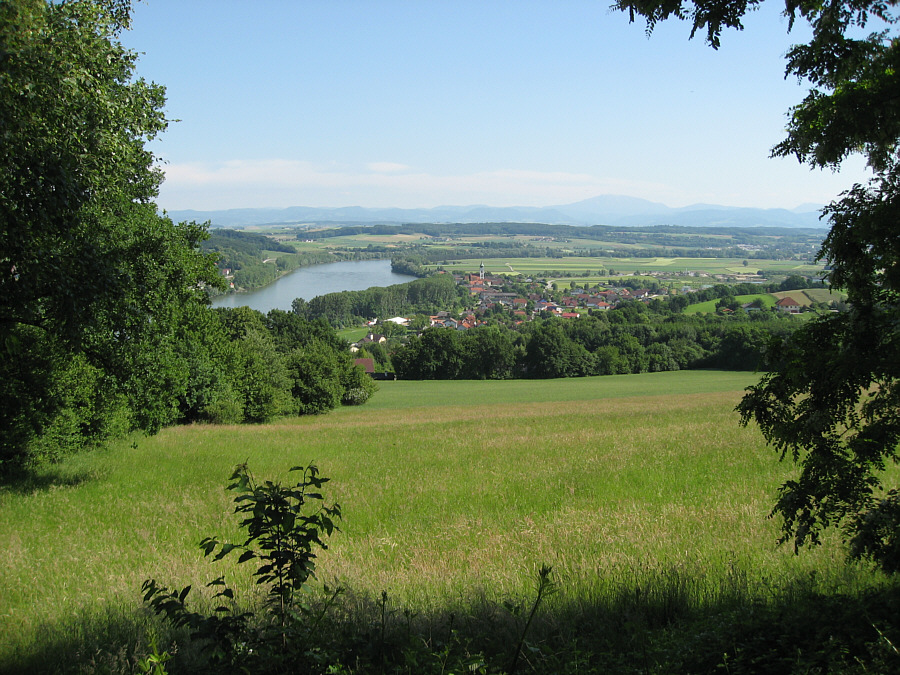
(283,534)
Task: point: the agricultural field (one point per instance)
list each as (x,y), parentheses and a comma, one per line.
(804,297)
(675,266)
(453,493)
(566,239)
(561,253)
(361,241)
(810,295)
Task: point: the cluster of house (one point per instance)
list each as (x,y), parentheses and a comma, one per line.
(440,320)
(787,305)
(485,288)
(522,307)
(464,322)
(488,298)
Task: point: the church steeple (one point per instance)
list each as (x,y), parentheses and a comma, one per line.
(481,271)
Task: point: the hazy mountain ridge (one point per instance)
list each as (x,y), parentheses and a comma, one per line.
(601,210)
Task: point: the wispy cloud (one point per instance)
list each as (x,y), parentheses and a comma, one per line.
(279,182)
(387,167)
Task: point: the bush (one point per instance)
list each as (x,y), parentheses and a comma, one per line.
(315,379)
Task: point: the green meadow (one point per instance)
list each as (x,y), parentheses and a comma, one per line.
(454,494)
(709,306)
(804,297)
(353,334)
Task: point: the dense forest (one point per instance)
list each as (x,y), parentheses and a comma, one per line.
(242,257)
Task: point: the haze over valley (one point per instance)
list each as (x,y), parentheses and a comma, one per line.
(615,210)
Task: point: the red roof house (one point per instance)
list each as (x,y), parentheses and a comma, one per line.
(788,304)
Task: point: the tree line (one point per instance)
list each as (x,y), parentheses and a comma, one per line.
(629,339)
(660,235)
(349,308)
(218,365)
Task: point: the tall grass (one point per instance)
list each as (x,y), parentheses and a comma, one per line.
(452,492)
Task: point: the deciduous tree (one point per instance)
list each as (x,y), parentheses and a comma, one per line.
(90,273)
(831,398)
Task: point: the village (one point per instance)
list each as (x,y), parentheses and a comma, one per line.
(489,299)
(496,298)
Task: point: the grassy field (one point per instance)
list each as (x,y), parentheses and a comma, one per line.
(353,334)
(803,297)
(452,491)
(709,306)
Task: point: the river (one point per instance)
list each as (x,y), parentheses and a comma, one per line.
(309,282)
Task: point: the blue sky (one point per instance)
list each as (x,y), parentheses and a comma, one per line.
(421,103)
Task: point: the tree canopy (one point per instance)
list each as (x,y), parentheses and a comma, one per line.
(831,398)
(94,282)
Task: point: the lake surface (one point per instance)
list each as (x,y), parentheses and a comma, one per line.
(308,282)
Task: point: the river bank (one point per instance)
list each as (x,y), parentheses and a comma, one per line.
(314,280)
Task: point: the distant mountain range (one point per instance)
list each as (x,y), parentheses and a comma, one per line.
(603,210)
